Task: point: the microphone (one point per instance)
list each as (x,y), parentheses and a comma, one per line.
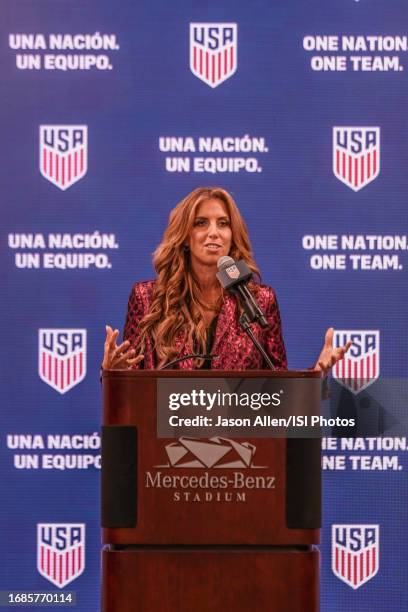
(233,277)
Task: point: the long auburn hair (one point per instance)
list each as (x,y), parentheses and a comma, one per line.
(176,302)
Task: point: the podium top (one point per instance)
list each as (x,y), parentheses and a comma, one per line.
(211,374)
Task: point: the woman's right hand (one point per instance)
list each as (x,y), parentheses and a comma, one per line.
(118,357)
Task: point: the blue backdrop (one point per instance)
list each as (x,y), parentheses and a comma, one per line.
(132,124)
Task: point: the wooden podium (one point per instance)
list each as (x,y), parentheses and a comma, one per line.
(204,525)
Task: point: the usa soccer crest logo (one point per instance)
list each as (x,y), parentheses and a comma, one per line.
(355,553)
(232,271)
(63,153)
(356,155)
(213,51)
(360,366)
(60,552)
(62,357)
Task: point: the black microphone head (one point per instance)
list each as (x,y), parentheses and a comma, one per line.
(224,262)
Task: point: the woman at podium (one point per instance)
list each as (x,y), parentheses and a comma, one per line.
(184,316)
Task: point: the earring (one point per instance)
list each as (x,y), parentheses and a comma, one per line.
(186,248)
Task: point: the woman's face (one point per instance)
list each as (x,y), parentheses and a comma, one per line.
(211,235)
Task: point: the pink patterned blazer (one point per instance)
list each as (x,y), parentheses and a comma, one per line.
(231,344)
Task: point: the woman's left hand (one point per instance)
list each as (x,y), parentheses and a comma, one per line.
(330,355)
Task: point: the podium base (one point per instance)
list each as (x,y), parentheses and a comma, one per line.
(216,579)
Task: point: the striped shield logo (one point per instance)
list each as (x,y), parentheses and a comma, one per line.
(355,553)
(62,357)
(232,271)
(63,153)
(356,155)
(60,552)
(360,366)
(213,51)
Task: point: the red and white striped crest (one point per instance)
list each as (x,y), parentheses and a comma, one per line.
(356,155)
(60,552)
(63,153)
(232,271)
(355,553)
(213,51)
(360,366)
(62,357)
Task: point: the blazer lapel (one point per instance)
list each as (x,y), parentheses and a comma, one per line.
(183,349)
(225,318)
